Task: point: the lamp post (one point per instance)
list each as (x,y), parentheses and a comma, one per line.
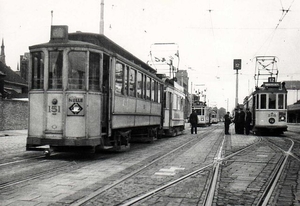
(237,64)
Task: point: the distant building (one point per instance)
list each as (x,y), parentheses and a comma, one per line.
(11,84)
(293,101)
(2,53)
(24,66)
(183,80)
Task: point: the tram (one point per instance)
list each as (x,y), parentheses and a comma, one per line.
(86,92)
(214,116)
(173,108)
(203,113)
(268,103)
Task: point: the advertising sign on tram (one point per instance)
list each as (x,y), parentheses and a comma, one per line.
(75,105)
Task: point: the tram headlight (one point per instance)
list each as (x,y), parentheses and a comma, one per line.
(271,120)
(54,101)
(282,116)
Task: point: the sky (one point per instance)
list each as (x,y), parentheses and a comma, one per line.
(208,35)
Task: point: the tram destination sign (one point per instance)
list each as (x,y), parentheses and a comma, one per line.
(76,105)
(272,84)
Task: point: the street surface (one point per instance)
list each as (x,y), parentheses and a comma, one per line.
(208,168)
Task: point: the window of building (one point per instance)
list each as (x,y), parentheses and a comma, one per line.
(94,71)
(55,69)
(37,70)
(119,78)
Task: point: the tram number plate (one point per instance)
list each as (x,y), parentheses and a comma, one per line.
(272,115)
(54,109)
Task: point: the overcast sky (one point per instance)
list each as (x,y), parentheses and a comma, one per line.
(208,34)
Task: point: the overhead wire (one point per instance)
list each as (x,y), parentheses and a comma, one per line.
(271,36)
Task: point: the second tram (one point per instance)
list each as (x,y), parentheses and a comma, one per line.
(203,113)
(268,105)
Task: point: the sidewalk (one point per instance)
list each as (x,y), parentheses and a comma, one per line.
(13,132)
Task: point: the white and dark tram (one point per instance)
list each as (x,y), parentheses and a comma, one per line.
(203,112)
(268,105)
(86,92)
(214,116)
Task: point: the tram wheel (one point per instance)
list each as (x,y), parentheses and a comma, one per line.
(47,153)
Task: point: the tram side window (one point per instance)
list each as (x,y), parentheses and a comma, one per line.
(77,65)
(167,96)
(37,70)
(152,90)
(55,70)
(155,91)
(126,80)
(159,93)
(132,73)
(280,101)
(139,86)
(263,98)
(148,88)
(119,78)
(272,101)
(94,71)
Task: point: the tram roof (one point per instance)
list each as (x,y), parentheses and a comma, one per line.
(102,41)
(68,43)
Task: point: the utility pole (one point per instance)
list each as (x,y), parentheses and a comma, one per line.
(237,65)
(102,17)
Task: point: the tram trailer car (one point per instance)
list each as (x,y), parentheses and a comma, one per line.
(214,117)
(203,113)
(268,105)
(173,109)
(86,92)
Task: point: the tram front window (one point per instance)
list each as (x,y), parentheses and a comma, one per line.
(272,101)
(94,71)
(55,70)
(280,101)
(76,72)
(37,70)
(263,99)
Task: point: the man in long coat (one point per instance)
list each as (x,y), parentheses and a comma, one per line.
(194,121)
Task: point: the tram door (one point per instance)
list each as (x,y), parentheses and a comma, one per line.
(105,89)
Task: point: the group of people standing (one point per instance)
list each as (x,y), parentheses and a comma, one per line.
(241,121)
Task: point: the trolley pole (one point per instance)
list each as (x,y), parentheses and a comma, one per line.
(237,65)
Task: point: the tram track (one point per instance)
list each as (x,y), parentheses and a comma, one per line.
(210,186)
(41,174)
(143,168)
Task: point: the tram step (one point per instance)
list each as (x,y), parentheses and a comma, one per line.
(108,147)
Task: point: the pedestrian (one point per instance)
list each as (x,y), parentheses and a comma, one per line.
(194,121)
(227,122)
(248,121)
(236,120)
(241,121)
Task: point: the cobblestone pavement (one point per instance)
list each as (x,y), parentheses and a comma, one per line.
(64,188)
